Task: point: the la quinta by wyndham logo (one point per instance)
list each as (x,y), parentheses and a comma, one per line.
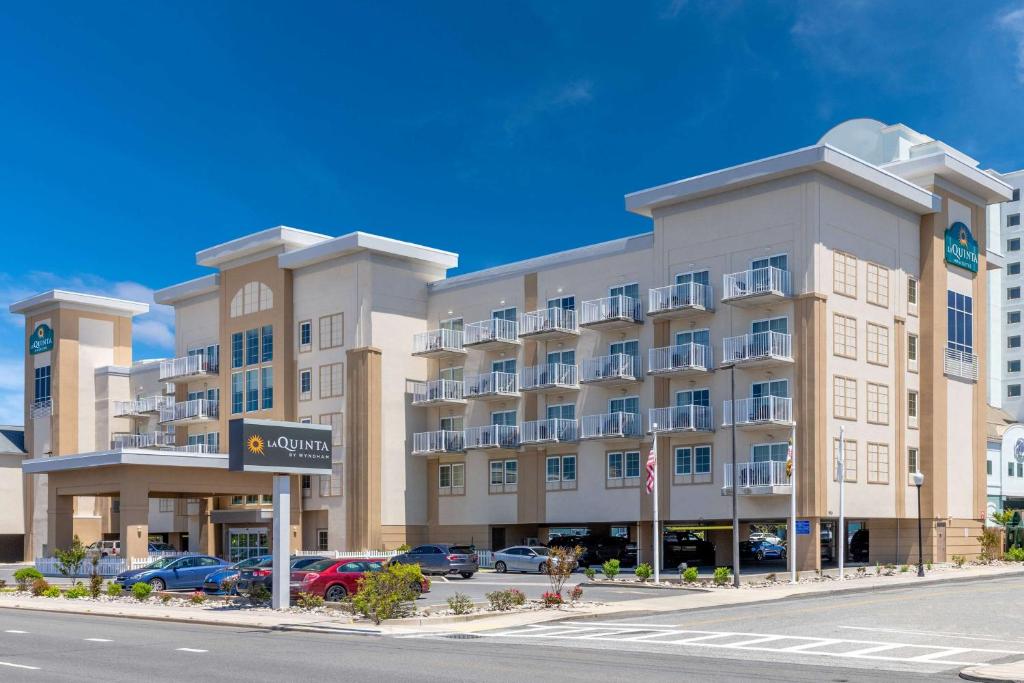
(961,247)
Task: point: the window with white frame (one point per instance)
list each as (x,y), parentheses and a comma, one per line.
(877,344)
(321,539)
(560,472)
(251,298)
(878,285)
(305,384)
(912,343)
(844,274)
(912,408)
(566,303)
(305,336)
(332,380)
(332,331)
(959,322)
(849,459)
(451,479)
(692,460)
(912,291)
(913,462)
(878,463)
(504,476)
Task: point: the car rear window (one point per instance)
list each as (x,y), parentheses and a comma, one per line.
(319,566)
(461,550)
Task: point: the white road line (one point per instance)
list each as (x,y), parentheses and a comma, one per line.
(942,654)
(99,640)
(591,636)
(189,649)
(19,666)
(871,650)
(766,639)
(813,643)
(699,639)
(957,636)
(11,630)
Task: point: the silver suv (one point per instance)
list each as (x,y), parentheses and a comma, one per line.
(442,558)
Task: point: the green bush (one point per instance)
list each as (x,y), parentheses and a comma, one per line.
(25,576)
(643,571)
(404,548)
(590,573)
(959,561)
(197,598)
(502,601)
(70,558)
(258,595)
(722,576)
(388,593)
(39,586)
(904,569)
(309,601)
(610,569)
(51,592)
(690,575)
(141,591)
(460,603)
(77,591)
(114,589)
(95,585)
(1015,554)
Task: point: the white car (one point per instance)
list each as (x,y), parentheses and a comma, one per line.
(761,536)
(522,558)
(104,549)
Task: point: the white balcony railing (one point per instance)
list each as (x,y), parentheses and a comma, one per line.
(493,330)
(960,364)
(42,407)
(679,358)
(436,341)
(186,366)
(492,436)
(437,391)
(549,321)
(610,425)
(681,419)
(441,441)
(679,297)
(756,282)
(759,410)
(192,448)
(196,409)
(549,375)
(769,473)
(615,366)
(147,440)
(611,308)
(492,384)
(757,346)
(141,406)
(556,430)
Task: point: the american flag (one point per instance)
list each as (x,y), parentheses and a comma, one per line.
(651,462)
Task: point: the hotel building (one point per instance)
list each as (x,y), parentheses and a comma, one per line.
(838,285)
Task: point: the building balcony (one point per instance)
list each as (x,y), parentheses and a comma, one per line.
(676,419)
(757,479)
(187,367)
(554,430)
(147,440)
(443,343)
(492,436)
(549,377)
(612,312)
(759,412)
(758,349)
(960,365)
(492,386)
(549,324)
(680,301)
(192,448)
(438,392)
(441,441)
(41,407)
(616,369)
(611,426)
(190,412)
(756,287)
(680,361)
(491,335)
(142,407)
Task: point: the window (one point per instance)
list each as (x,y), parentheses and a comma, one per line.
(1013,390)
(631,290)
(912,348)
(912,285)
(332,380)
(166,505)
(307,483)
(615,469)
(633,464)
(769,452)
(913,461)
(321,539)
(305,336)
(42,383)
(237,500)
(844,336)
(253,297)
(252,500)
(1013,220)
(1016,195)
(780,261)
(878,285)
(268,387)
(1012,293)
(1013,244)
(252,390)
(1013,366)
(451,479)
(988,467)
(684,461)
(305,384)
(305,419)
(213,442)
(849,460)
(844,397)
(236,350)
(566,303)
(912,401)
(959,322)
(505,314)
(878,403)
(331,485)
(1013,268)
(252,347)
(692,460)
(1009,469)
(878,463)
(1013,317)
(337,422)
(702,460)
(331,331)
(1013,341)
(236,392)
(504,476)
(560,472)
(878,344)
(267,344)
(844,274)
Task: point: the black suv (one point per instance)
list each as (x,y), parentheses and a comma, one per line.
(688,547)
(598,549)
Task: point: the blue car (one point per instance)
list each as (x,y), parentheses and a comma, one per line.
(761,550)
(213,583)
(173,572)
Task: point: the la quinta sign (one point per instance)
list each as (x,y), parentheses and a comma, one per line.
(961,247)
(279,447)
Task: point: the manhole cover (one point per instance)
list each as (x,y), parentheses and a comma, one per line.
(462,636)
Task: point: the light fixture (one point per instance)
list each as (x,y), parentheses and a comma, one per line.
(559,290)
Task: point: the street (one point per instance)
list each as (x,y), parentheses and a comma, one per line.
(925,633)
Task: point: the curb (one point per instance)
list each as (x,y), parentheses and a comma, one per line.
(645,586)
(977,673)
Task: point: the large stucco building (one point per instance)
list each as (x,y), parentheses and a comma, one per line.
(520,401)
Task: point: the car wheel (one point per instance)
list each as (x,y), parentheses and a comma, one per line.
(417,588)
(158,584)
(336,593)
(544,568)
(759,556)
(466,575)
(500,567)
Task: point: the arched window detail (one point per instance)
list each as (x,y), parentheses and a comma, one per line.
(252,297)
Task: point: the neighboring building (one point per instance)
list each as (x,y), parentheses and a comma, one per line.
(1005,463)
(1008,286)
(12,513)
(843,284)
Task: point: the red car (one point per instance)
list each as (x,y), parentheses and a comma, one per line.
(334,579)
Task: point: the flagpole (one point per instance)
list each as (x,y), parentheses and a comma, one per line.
(792,505)
(657,525)
(841,473)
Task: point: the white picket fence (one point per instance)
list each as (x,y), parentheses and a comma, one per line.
(486,556)
(107,566)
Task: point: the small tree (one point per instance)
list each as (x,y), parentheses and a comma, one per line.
(95,580)
(989,541)
(561,562)
(382,594)
(69,559)
(1003,518)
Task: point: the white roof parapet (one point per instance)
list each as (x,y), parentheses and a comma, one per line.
(80,301)
(363,241)
(187,290)
(128,456)
(281,236)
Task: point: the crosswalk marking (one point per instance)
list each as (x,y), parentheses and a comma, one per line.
(99,640)
(12,630)
(190,649)
(19,666)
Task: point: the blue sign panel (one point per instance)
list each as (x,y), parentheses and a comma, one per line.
(803,527)
(961,247)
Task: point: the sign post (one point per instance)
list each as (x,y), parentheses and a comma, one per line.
(282,449)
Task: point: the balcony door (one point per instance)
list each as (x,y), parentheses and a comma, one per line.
(504,417)
(565,411)
(508,365)
(452,423)
(629,404)
(700,277)
(780,261)
(695,337)
(776,387)
(780,325)
(562,357)
(505,314)
(761,279)
(630,290)
(693,397)
(630,348)
(566,303)
(451,374)
(769,452)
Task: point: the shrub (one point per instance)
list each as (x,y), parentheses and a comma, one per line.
(576,593)
(95,585)
(3,584)
(460,603)
(771,578)
(114,590)
(39,586)
(228,585)
(258,595)
(552,599)
(590,573)
(387,593)
(862,571)
(878,569)
(722,576)
(404,548)
(197,598)
(610,569)
(989,540)
(68,559)
(561,562)
(25,576)
(904,569)
(690,575)
(309,601)
(166,599)
(928,565)
(959,561)
(1015,554)
(141,591)
(643,571)
(51,592)
(502,601)
(77,591)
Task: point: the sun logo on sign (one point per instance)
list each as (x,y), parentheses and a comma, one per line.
(963,236)
(40,332)
(255,444)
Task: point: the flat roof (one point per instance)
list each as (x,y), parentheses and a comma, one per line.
(355,242)
(256,242)
(188,289)
(127,456)
(79,300)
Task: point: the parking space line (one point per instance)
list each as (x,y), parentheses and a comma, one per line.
(189,649)
(818,642)
(755,641)
(698,639)
(99,640)
(942,654)
(871,650)
(19,666)
(12,630)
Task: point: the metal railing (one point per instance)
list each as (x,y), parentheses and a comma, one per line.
(186,366)
(619,307)
(549,320)
(681,418)
(147,440)
(42,407)
(762,409)
(437,390)
(493,330)
(551,430)
(961,364)
(615,366)
(192,448)
(441,441)
(140,406)
(676,297)
(756,346)
(492,384)
(492,436)
(681,357)
(437,340)
(752,474)
(610,425)
(755,282)
(549,375)
(196,409)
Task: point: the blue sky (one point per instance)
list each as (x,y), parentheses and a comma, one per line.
(500,130)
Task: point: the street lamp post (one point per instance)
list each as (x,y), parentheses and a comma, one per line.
(918,480)
(735,509)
